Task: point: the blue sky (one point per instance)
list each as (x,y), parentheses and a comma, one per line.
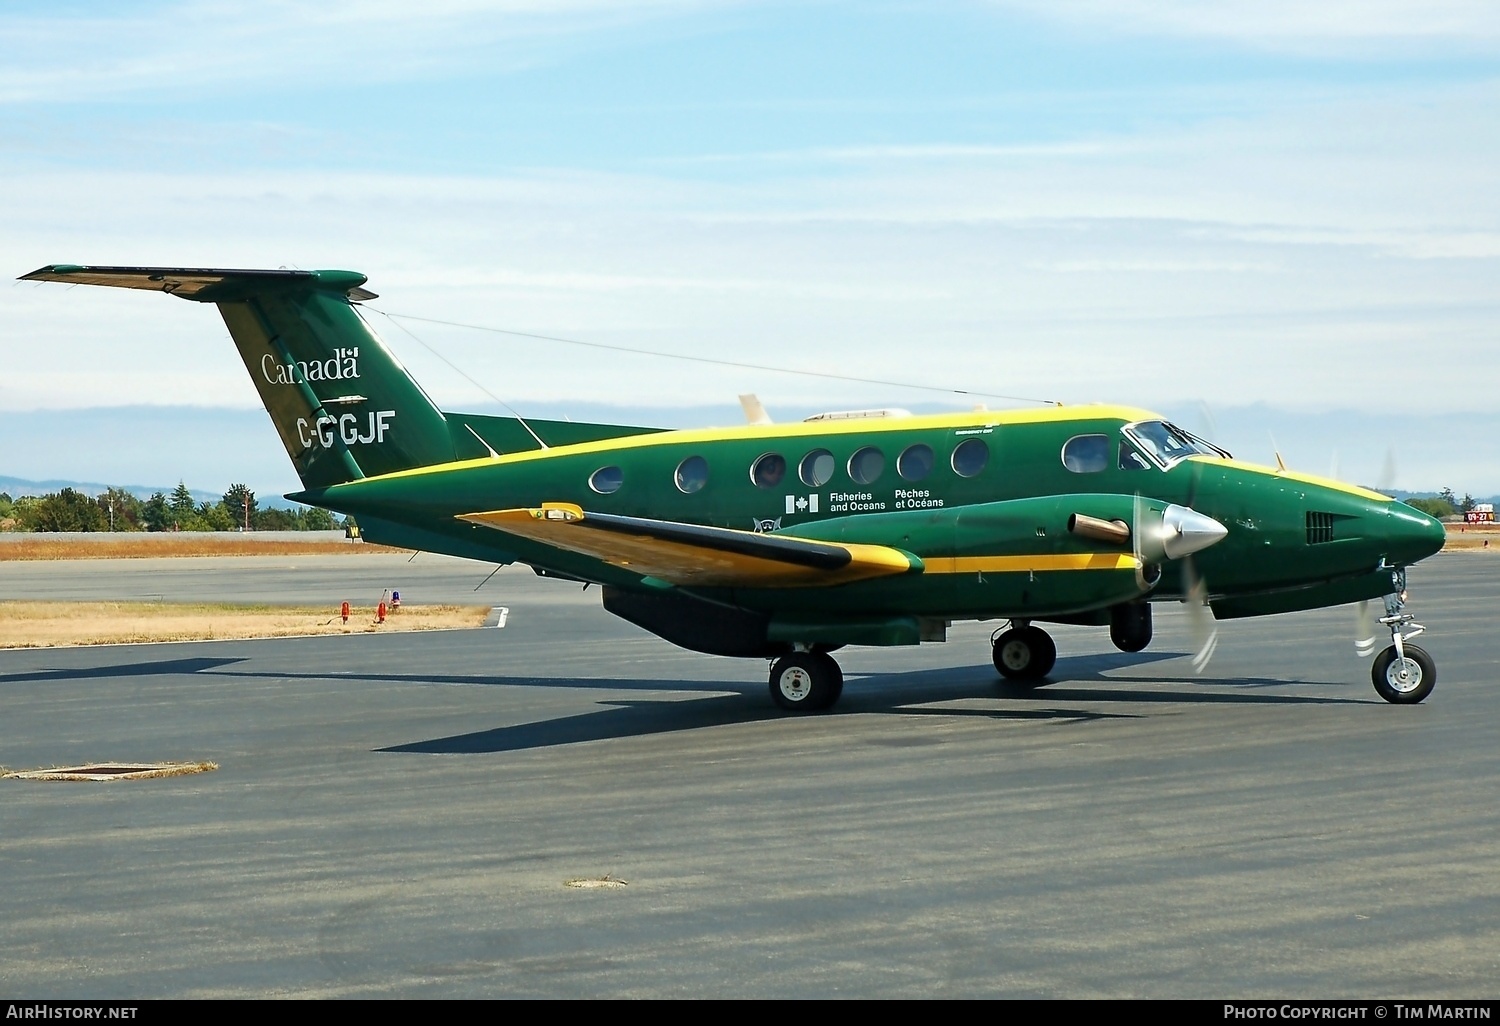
(1166,203)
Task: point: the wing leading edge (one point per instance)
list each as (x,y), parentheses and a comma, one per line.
(689,555)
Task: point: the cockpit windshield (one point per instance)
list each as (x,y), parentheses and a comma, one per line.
(1167,444)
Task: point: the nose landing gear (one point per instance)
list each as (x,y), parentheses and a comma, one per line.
(1403,674)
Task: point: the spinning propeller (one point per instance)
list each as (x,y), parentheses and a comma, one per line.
(1179,533)
(1365,637)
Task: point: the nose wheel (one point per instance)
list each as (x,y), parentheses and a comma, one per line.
(1023,653)
(1403,674)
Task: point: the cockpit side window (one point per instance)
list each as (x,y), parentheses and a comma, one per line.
(1130,459)
(1086,454)
(1167,443)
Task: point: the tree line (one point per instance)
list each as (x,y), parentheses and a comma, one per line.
(119,510)
(1445,505)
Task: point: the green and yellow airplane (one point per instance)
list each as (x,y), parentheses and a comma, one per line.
(789,541)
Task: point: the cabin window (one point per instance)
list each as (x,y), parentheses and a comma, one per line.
(1086,454)
(970,457)
(866,465)
(768,470)
(1130,459)
(816,468)
(692,475)
(915,462)
(606,480)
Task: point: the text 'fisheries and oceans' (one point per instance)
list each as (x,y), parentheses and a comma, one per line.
(853,502)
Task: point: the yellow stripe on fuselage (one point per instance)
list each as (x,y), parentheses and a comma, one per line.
(976,419)
(1024,564)
(1292,475)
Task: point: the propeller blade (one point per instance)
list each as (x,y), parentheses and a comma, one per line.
(1193,482)
(1135,530)
(1200,617)
(1387,472)
(1364,628)
(1206,421)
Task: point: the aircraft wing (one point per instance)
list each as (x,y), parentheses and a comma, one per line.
(686,554)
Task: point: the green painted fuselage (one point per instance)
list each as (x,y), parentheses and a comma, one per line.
(1293,541)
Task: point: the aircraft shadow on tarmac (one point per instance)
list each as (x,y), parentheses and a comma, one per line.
(914,693)
(160,667)
(907,693)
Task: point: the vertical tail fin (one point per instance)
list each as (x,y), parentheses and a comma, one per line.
(342,403)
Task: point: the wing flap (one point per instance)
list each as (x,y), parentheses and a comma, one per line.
(686,554)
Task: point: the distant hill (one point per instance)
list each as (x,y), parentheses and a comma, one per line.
(1397,493)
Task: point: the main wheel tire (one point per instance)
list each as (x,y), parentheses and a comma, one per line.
(806,682)
(835,682)
(1404,682)
(1024,653)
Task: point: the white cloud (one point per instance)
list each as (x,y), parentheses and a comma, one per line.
(1310,255)
(184,47)
(1295,24)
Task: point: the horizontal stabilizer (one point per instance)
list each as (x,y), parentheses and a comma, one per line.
(686,554)
(189,282)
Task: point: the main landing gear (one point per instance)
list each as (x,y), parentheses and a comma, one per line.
(806,681)
(1403,674)
(1023,653)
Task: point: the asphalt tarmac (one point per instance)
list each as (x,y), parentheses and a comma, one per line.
(399,815)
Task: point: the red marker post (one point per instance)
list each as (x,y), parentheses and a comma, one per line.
(380,613)
(344,612)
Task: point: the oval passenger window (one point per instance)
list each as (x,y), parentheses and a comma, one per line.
(816,468)
(1086,454)
(970,457)
(866,465)
(915,462)
(768,470)
(692,475)
(606,480)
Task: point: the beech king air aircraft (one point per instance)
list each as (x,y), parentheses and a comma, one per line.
(789,541)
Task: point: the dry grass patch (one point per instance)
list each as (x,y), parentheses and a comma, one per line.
(154,546)
(1473,537)
(56,624)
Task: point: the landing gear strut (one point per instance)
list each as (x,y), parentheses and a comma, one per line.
(1023,653)
(1403,674)
(806,681)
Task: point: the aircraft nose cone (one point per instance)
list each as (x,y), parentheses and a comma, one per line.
(1185,531)
(1410,534)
